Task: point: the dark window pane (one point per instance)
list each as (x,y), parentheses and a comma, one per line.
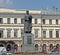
(8,20)
(1,20)
(36,33)
(44,34)
(8,33)
(50,34)
(43,21)
(15,20)
(57,34)
(15,32)
(35,21)
(1,33)
(56,21)
(50,21)
(22,21)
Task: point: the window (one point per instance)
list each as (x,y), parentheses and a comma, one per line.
(22,21)
(1,20)
(15,20)
(15,33)
(51,46)
(8,20)
(35,21)
(57,34)
(36,33)
(44,48)
(44,34)
(8,33)
(50,21)
(57,46)
(1,33)
(29,40)
(56,21)
(36,46)
(43,21)
(50,34)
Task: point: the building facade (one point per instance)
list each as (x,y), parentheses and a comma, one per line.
(45,27)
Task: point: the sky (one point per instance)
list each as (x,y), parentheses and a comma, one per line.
(30,4)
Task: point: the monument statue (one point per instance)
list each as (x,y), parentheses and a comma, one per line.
(27,23)
(27,37)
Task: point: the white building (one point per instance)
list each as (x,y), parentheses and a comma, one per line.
(45,27)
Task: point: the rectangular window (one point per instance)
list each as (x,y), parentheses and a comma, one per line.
(50,34)
(56,21)
(22,21)
(1,33)
(29,40)
(43,21)
(44,34)
(36,33)
(15,20)
(57,34)
(15,33)
(50,21)
(1,20)
(35,21)
(8,33)
(8,20)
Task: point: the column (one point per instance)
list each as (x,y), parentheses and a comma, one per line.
(54,33)
(12,20)
(4,20)
(19,33)
(38,20)
(4,33)
(47,33)
(18,20)
(47,21)
(33,20)
(39,32)
(12,33)
(32,30)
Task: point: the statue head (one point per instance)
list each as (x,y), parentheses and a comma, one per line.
(27,12)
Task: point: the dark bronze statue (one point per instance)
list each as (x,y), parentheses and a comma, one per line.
(27,23)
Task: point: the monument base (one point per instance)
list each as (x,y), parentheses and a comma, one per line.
(28,43)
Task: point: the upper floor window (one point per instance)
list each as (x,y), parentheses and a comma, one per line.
(43,21)
(36,33)
(50,34)
(15,33)
(56,21)
(57,34)
(44,34)
(8,20)
(35,21)
(8,33)
(15,20)
(1,33)
(22,21)
(50,21)
(1,20)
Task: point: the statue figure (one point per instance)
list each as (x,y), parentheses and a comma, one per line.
(27,23)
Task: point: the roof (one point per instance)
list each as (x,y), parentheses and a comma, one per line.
(46,11)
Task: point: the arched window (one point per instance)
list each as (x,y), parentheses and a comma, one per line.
(57,46)
(36,47)
(44,48)
(51,46)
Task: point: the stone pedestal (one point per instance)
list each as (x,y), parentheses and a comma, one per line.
(28,42)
